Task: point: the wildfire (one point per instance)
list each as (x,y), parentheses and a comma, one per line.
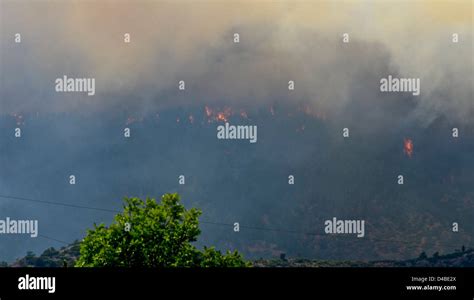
(208,111)
(229,114)
(408,147)
(219,116)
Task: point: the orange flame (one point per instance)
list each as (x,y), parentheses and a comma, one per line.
(221,117)
(408,147)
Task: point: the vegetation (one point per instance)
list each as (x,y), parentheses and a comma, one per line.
(463,258)
(458,258)
(151,234)
(63,257)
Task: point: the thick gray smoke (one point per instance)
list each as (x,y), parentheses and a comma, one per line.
(194,42)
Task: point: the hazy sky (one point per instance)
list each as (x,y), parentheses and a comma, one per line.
(192,41)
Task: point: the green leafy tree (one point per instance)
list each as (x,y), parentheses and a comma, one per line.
(151,234)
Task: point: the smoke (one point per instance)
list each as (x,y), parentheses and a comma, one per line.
(193,41)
